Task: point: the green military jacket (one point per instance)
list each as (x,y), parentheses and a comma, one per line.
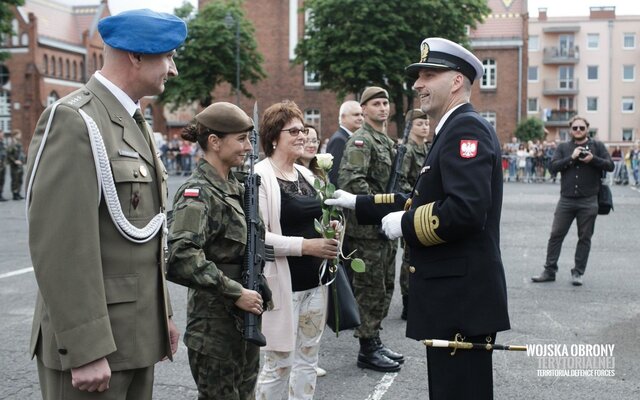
(411,165)
(207,239)
(15,153)
(365,169)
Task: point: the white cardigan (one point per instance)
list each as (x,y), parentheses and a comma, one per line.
(277,324)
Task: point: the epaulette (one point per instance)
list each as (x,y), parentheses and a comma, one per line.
(78,98)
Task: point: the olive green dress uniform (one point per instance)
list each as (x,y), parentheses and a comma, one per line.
(365,169)
(100,295)
(207,239)
(410,170)
(15,158)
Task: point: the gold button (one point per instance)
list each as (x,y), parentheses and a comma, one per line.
(143,171)
(412,269)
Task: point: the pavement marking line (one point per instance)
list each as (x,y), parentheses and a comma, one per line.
(16,272)
(382,386)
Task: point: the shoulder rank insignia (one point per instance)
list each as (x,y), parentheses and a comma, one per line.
(358,143)
(193,192)
(468,148)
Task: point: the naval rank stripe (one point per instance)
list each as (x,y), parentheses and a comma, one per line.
(386,198)
(425,224)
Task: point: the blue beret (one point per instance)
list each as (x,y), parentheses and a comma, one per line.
(439,53)
(143,31)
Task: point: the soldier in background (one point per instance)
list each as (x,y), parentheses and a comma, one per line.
(207,237)
(15,158)
(3,157)
(411,166)
(365,169)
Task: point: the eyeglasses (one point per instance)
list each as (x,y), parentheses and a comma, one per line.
(582,128)
(312,141)
(296,131)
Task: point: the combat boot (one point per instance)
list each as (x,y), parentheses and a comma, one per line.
(397,357)
(371,357)
(405,307)
(17,196)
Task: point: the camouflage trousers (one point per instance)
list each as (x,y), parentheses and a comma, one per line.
(404,271)
(16,178)
(373,288)
(232,377)
(295,372)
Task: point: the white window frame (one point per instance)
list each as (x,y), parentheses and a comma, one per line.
(625,130)
(631,36)
(632,68)
(311,78)
(5,110)
(534,43)
(570,103)
(595,99)
(592,68)
(52,98)
(490,77)
(590,37)
(566,77)
(314,117)
(491,117)
(532,101)
(628,102)
(534,68)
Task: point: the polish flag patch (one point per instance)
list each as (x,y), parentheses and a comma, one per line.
(358,143)
(468,148)
(191,192)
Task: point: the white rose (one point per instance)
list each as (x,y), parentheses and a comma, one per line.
(325,161)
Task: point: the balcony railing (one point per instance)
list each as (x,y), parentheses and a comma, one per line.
(560,87)
(561,55)
(557,117)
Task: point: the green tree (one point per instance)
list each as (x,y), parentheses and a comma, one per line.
(352,44)
(208,56)
(6,15)
(530,129)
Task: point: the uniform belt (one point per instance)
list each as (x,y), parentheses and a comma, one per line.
(232,271)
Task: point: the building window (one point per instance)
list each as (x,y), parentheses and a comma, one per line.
(75,71)
(532,105)
(532,75)
(627,135)
(52,98)
(312,116)
(593,40)
(311,78)
(53,66)
(629,40)
(45,61)
(564,134)
(592,104)
(5,109)
(534,43)
(82,75)
(67,70)
(565,103)
(565,75)
(490,117)
(14,32)
(592,72)
(628,104)
(489,80)
(24,39)
(60,72)
(148,114)
(628,72)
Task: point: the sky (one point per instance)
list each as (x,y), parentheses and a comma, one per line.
(555,8)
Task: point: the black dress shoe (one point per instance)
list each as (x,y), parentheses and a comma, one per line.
(397,357)
(545,276)
(370,357)
(17,196)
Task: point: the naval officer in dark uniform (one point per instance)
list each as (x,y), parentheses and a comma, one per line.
(452,226)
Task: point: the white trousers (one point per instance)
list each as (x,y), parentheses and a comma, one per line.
(295,371)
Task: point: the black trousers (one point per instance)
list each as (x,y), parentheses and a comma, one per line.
(466,375)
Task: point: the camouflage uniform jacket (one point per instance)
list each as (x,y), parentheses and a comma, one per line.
(3,152)
(15,153)
(207,238)
(411,165)
(365,169)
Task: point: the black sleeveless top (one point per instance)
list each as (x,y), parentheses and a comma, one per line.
(299,207)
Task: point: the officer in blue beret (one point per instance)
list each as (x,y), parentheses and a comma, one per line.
(103,318)
(451,225)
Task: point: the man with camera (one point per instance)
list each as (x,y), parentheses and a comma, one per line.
(580,162)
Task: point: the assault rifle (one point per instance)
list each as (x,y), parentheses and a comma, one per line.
(394,177)
(256,252)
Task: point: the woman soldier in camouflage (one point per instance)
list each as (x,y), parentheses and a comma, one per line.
(207,238)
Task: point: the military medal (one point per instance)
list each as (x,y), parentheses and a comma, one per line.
(144,171)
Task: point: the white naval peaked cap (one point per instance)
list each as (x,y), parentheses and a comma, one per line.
(441,53)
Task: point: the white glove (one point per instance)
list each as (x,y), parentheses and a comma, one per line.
(342,199)
(392,224)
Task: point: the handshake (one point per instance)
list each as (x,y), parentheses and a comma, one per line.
(391,223)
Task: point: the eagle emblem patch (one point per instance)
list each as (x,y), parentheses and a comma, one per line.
(468,148)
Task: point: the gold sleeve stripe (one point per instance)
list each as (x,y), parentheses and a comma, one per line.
(425,224)
(386,198)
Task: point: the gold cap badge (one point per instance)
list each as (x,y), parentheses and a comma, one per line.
(424,52)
